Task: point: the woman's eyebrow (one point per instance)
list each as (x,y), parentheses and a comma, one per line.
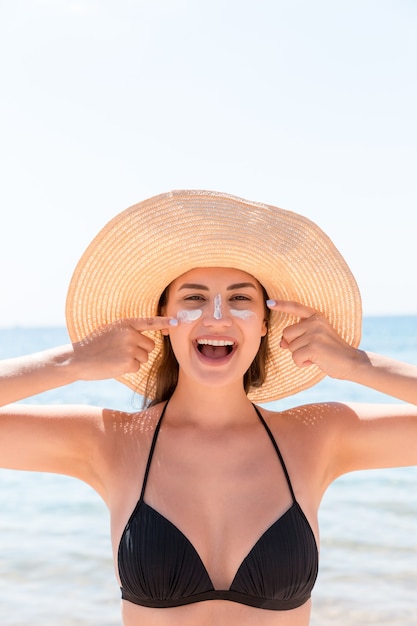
(241,286)
(205,288)
(193,286)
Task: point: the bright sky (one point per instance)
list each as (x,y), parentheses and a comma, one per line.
(311,106)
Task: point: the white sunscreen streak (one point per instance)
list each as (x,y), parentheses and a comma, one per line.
(245,314)
(189,316)
(217,314)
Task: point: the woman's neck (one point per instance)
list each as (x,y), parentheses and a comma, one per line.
(211,406)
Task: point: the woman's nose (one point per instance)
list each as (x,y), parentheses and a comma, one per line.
(216,313)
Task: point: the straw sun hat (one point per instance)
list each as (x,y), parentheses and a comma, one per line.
(139,252)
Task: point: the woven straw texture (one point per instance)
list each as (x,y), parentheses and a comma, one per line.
(137,254)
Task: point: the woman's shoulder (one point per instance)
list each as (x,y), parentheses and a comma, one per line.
(309,437)
(324,409)
(320,418)
(124,424)
(126,442)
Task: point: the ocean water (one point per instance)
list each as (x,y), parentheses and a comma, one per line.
(55,557)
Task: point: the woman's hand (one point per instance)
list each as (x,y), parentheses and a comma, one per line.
(116,349)
(312,340)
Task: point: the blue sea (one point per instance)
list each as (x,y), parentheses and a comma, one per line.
(55,556)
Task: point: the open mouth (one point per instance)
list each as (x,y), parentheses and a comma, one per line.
(215,348)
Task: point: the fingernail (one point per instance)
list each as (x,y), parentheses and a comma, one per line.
(271,302)
(173,322)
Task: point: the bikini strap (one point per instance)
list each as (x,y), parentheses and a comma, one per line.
(277,450)
(151,451)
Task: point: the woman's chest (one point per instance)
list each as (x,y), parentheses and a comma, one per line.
(220,497)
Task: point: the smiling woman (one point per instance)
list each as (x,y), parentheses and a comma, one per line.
(191,293)
(206,303)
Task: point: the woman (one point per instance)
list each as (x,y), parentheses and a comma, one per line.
(204,302)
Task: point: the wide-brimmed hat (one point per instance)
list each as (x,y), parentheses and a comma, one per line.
(143,249)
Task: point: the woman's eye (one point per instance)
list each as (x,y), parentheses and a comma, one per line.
(240,297)
(194,298)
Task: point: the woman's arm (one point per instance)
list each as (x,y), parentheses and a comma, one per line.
(107,353)
(59,439)
(71,440)
(365,435)
(387,375)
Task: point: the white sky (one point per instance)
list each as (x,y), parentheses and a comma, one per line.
(311,106)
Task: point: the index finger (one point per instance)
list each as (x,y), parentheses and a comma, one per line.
(157,322)
(291,308)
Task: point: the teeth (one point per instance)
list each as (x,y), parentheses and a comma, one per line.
(214,342)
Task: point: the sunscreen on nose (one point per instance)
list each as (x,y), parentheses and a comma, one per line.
(189,316)
(217,313)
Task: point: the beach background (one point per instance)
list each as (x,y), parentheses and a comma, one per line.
(310,106)
(55,556)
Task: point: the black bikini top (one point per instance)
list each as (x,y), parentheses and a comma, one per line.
(160,568)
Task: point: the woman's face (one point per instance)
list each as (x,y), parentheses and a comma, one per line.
(221,313)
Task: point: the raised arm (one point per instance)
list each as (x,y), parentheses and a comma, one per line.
(67,439)
(366,435)
(109,352)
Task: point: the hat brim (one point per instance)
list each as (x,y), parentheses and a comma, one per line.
(143,249)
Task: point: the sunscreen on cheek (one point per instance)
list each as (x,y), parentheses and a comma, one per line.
(189,316)
(244,314)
